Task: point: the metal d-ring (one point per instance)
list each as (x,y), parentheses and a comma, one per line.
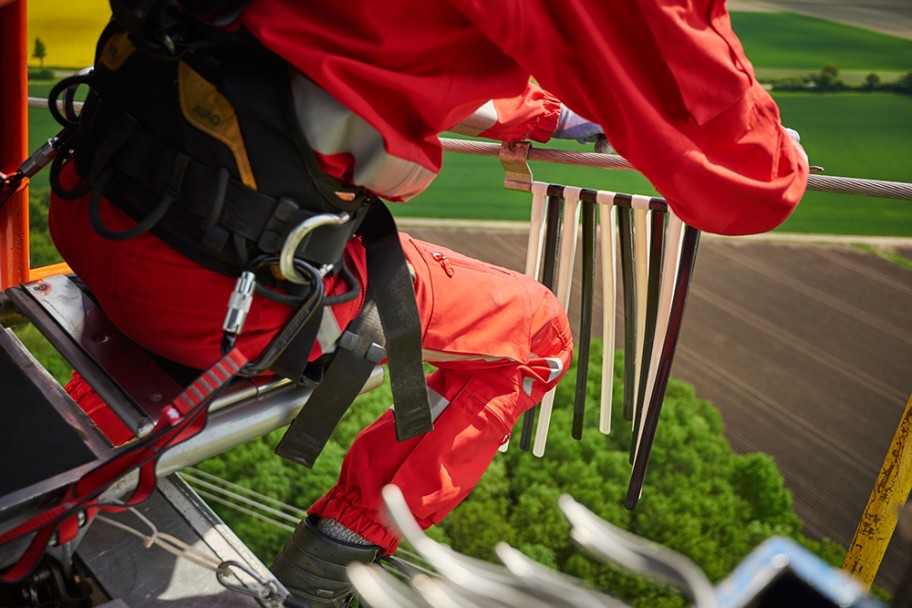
(297,235)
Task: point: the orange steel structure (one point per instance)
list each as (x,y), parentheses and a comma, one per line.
(14,223)
(14,252)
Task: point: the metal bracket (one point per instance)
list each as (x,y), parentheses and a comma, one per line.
(514,156)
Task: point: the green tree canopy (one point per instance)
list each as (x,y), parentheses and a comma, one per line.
(39,51)
(700,498)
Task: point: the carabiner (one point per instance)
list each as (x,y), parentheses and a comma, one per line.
(262,588)
(297,235)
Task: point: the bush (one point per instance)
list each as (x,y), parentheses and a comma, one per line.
(40,74)
(700,498)
(828,80)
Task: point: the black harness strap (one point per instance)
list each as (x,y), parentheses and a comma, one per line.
(389,310)
(387,272)
(292,361)
(356,356)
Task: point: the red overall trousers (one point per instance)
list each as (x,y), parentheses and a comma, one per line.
(499,340)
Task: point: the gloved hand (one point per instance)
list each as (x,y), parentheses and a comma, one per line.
(796,141)
(573,126)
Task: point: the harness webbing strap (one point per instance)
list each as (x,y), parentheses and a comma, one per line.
(389,326)
(293,359)
(356,356)
(387,273)
(182,419)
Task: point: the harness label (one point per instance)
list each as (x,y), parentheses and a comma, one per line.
(116,51)
(209,111)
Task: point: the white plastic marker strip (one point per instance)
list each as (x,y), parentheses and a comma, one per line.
(640,206)
(674,232)
(568,244)
(536,229)
(569,233)
(535,243)
(608,226)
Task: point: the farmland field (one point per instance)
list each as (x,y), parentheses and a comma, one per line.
(787,40)
(68,29)
(853,135)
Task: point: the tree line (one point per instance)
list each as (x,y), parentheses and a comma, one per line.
(829,80)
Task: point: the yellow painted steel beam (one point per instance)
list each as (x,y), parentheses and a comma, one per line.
(891,490)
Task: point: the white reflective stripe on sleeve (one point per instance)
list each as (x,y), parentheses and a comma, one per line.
(438,403)
(329,332)
(432,356)
(331,128)
(482,119)
(556,365)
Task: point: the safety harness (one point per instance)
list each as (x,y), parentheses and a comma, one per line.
(192,132)
(204,150)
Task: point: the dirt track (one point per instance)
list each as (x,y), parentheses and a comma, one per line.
(805,349)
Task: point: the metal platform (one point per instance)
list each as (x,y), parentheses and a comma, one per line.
(48,443)
(137,576)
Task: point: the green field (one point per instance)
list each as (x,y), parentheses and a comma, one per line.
(853,135)
(787,40)
(857,135)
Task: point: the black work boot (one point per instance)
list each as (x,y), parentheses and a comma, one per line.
(311,565)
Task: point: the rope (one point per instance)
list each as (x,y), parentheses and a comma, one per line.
(819,183)
(863,187)
(289,514)
(241,509)
(256,586)
(404,557)
(169,543)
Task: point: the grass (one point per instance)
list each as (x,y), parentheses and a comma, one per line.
(787,40)
(888,254)
(471,187)
(853,78)
(849,134)
(853,135)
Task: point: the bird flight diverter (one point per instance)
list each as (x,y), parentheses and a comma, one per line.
(656,254)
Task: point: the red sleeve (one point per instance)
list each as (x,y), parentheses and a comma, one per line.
(532,115)
(669,82)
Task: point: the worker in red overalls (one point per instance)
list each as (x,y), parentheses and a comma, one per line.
(372,85)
